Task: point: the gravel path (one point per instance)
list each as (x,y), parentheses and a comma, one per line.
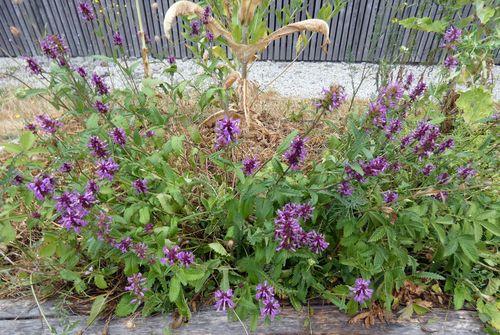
(302,80)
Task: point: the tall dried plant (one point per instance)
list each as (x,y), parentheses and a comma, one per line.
(244,52)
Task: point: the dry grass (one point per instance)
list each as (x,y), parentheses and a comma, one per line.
(15,113)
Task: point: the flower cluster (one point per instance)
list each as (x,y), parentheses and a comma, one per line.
(98,147)
(185,258)
(140,185)
(81,71)
(270,305)
(48,124)
(223,300)
(136,285)
(290,234)
(33,65)
(207,15)
(250,165)
(332,98)
(345,189)
(195,27)
(117,39)
(466,172)
(425,136)
(106,168)
(66,167)
(227,130)
(297,153)
(118,136)
(86,10)
(101,107)
(54,47)
(99,84)
(374,167)
(450,40)
(361,291)
(390,196)
(42,186)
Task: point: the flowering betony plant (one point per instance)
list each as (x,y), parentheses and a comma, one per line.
(133,202)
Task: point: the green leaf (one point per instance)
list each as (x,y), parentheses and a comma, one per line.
(7,233)
(100,282)
(428,275)
(286,143)
(69,275)
(468,246)
(494,228)
(459,296)
(97,308)
(377,234)
(425,24)
(484,13)
(125,307)
(144,216)
(12,148)
(175,289)
(27,140)
(476,104)
(218,248)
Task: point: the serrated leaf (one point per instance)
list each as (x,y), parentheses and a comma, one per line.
(218,248)
(174,289)
(429,275)
(377,234)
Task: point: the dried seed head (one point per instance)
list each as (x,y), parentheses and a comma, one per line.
(154,6)
(247,10)
(157,39)
(15,31)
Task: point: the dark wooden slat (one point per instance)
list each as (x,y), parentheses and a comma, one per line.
(317,320)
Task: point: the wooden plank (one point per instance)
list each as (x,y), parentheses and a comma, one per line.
(319,320)
(26,24)
(14,44)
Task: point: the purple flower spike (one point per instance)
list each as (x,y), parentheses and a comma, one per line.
(195,28)
(297,153)
(107,168)
(136,286)
(42,186)
(393,128)
(141,249)
(185,258)
(140,185)
(207,15)
(316,242)
(33,65)
(374,167)
(270,308)
(466,172)
(98,147)
(171,59)
(443,178)
(66,167)
(81,72)
(427,169)
(209,36)
(117,39)
(451,36)
(361,290)
(264,291)
(389,196)
(333,98)
(450,62)
(250,165)
(345,189)
(86,11)
(418,91)
(223,300)
(391,94)
(124,245)
(119,136)
(101,107)
(48,124)
(227,130)
(99,84)
(54,47)
(170,255)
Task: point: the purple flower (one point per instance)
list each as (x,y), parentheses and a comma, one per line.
(42,186)
(148,228)
(195,28)
(87,199)
(296,153)
(124,245)
(361,290)
(427,169)
(389,196)
(466,172)
(66,167)
(66,201)
(250,164)
(92,187)
(73,218)
(374,167)
(207,15)
(117,39)
(227,131)
(140,185)
(425,135)
(17,180)
(447,144)
(101,107)
(223,300)
(107,168)
(270,308)
(185,258)
(209,36)
(393,127)
(396,166)
(54,47)
(443,178)
(408,81)
(316,242)
(148,133)
(86,11)
(353,174)
(287,230)
(345,189)
(98,147)
(33,65)
(81,72)
(119,136)
(451,36)
(441,196)
(99,84)
(450,62)
(264,291)
(418,91)
(31,127)
(36,215)
(136,286)
(171,59)
(103,226)
(48,124)
(140,249)
(170,255)
(332,98)
(303,211)
(391,94)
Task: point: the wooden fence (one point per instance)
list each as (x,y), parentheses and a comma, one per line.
(362,32)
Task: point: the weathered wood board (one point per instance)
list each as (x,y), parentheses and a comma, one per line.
(23,317)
